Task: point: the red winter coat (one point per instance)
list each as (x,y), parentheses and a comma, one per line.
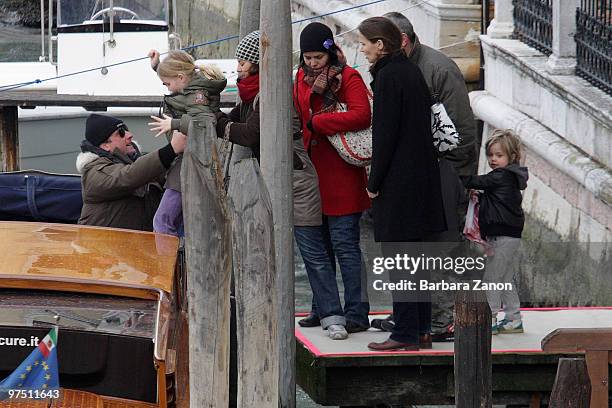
(342,185)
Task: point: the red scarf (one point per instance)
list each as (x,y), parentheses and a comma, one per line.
(248,88)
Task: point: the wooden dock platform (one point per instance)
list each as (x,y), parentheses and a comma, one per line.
(346,373)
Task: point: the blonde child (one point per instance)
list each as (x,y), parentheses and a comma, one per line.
(501,222)
(194,90)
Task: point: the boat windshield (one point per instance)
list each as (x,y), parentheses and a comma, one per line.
(84,312)
(72,12)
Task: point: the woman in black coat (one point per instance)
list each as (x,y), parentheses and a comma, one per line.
(404,180)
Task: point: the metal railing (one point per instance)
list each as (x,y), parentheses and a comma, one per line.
(594,43)
(533,23)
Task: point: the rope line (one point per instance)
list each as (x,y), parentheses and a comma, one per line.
(338,11)
(10,87)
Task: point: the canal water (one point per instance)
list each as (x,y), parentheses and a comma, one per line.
(18,44)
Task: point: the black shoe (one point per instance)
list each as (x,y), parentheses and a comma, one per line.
(353,327)
(445,336)
(383,324)
(310,321)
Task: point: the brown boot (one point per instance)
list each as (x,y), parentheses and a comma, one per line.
(392,345)
(425,341)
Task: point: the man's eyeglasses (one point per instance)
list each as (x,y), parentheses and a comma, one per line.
(122,128)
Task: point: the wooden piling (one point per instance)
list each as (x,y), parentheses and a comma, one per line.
(596,343)
(255,282)
(277,170)
(249,16)
(572,388)
(9,139)
(208,249)
(473,366)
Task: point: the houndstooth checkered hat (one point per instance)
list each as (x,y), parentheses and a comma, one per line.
(248,48)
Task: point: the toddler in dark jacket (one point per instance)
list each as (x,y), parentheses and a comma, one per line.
(501,220)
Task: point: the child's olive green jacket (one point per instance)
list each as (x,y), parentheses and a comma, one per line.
(200,97)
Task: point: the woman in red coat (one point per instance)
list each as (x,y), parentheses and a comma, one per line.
(322,81)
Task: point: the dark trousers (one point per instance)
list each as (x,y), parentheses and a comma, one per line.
(411,311)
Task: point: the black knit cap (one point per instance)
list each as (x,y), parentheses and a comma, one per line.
(98,128)
(316,37)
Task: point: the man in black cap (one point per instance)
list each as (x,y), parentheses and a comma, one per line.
(121,188)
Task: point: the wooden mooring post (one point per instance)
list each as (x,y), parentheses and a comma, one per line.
(249,16)
(255,283)
(9,139)
(277,169)
(208,251)
(572,388)
(596,344)
(473,366)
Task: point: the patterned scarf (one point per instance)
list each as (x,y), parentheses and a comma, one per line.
(248,88)
(326,81)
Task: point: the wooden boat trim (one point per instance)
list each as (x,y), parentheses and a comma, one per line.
(162,327)
(79,286)
(93,255)
(114,402)
(162,397)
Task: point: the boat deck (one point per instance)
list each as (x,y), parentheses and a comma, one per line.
(346,373)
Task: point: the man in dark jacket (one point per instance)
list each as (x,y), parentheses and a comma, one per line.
(118,190)
(446,85)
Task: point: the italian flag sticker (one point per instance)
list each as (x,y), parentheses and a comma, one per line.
(48,343)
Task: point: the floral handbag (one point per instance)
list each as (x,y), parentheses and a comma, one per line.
(354,147)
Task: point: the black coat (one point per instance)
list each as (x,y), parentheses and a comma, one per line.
(500,210)
(404,163)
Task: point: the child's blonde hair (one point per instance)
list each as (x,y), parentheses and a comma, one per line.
(179,62)
(509,143)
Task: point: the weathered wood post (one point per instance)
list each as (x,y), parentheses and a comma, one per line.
(249,16)
(597,346)
(473,369)
(9,139)
(207,245)
(255,283)
(572,387)
(277,170)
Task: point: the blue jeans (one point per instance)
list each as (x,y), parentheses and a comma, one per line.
(341,237)
(321,274)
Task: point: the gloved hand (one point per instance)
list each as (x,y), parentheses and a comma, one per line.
(309,126)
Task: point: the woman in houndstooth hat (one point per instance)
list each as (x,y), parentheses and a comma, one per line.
(241,126)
